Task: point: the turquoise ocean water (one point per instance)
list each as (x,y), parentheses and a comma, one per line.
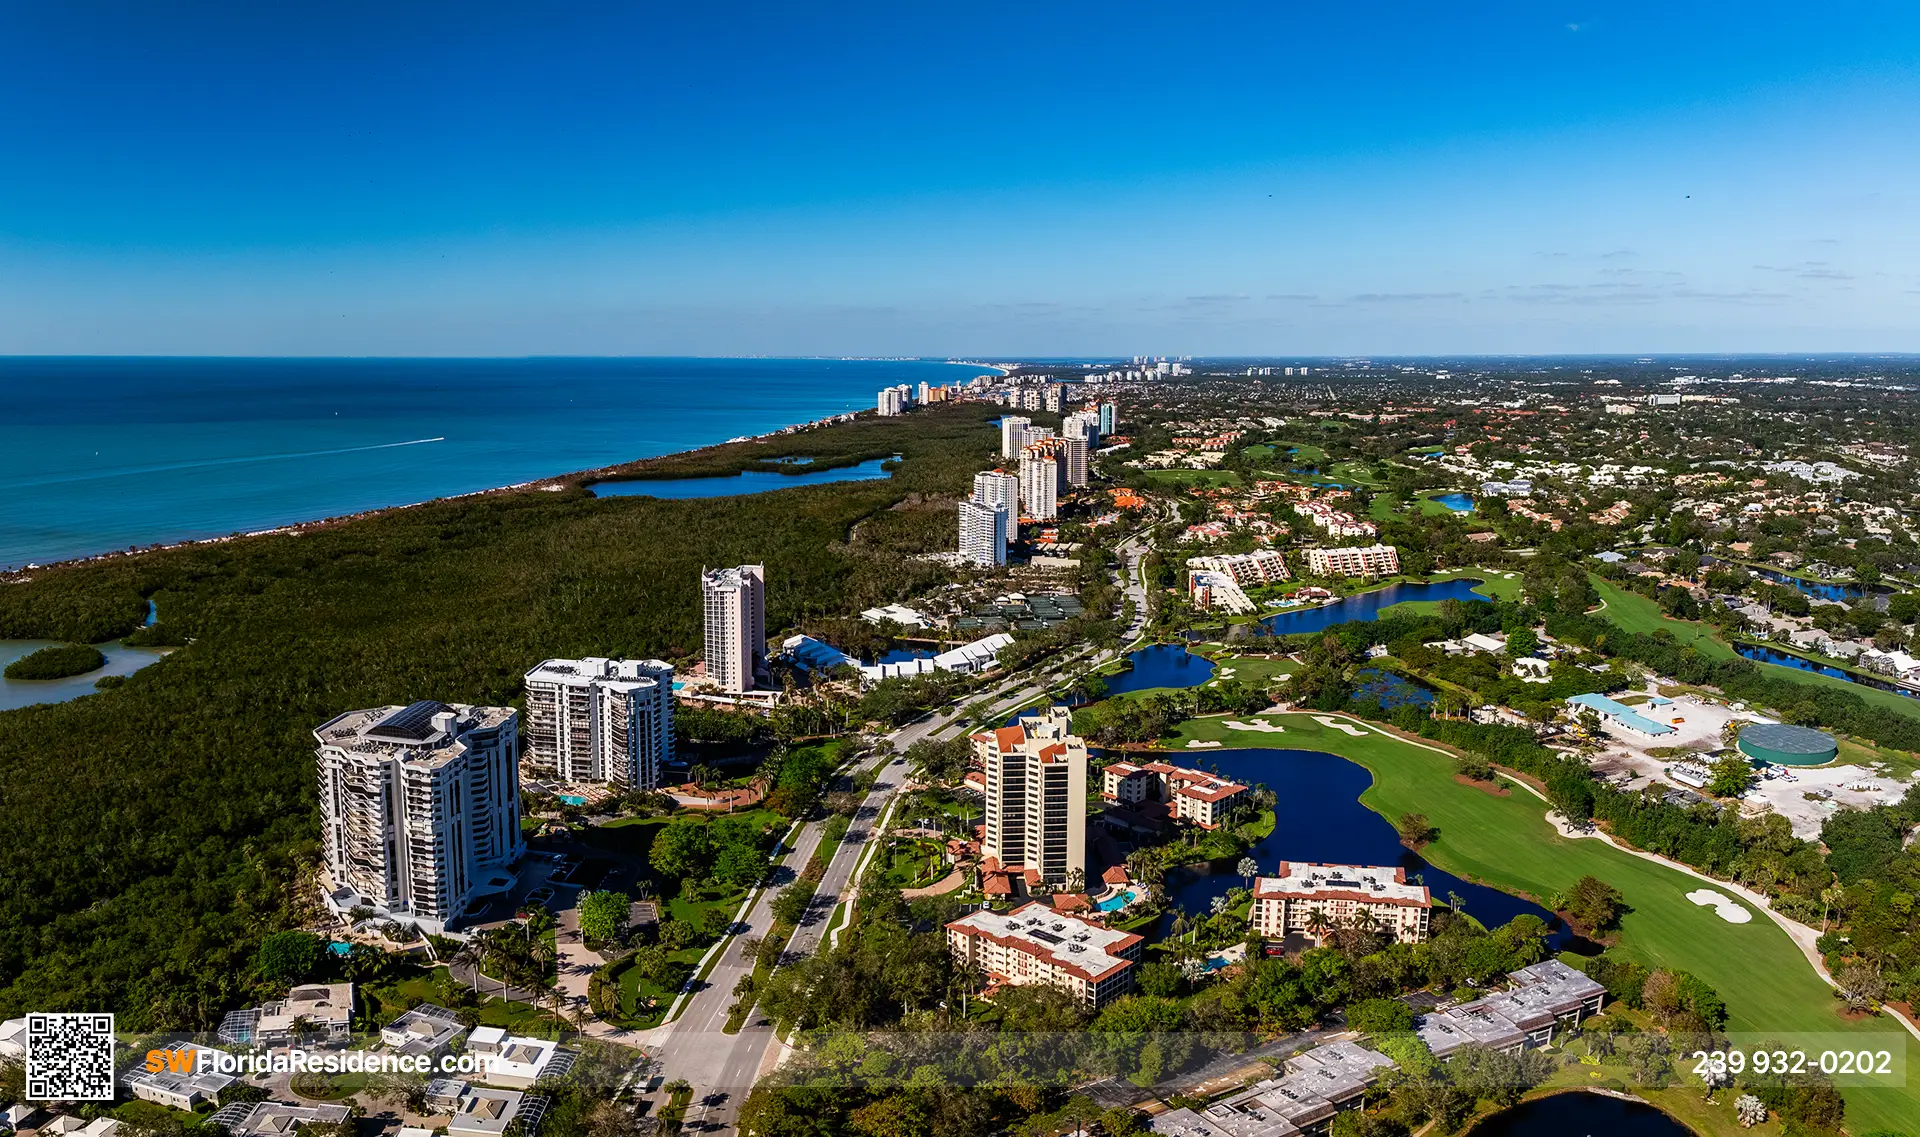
(99,454)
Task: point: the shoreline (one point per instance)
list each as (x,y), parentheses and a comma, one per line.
(555,483)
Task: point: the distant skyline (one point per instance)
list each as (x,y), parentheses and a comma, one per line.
(1068,179)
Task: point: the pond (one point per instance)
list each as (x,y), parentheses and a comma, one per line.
(1819,588)
(1319,818)
(1780,658)
(1162,665)
(1458,502)
(1367,605)
(746,482)
(1390,690)
(1591,1115)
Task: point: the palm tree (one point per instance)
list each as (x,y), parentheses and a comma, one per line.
(1317,924)
(1219,905)
(1248,868)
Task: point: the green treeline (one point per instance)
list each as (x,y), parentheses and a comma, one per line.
(57,662)
(151,834)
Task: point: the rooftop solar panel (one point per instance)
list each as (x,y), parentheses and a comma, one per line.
(411,723)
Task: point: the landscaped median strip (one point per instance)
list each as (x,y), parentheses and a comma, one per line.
(712,958)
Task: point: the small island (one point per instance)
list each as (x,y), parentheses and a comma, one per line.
(57,662)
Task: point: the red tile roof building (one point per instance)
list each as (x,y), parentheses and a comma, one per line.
(1195,795)
(1285,904)
(1036,944)
(1036,798)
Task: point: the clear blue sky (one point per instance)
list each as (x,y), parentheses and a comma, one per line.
(1036,177)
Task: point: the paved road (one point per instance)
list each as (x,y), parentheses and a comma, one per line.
(723,1067)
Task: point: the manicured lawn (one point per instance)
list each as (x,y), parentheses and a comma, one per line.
(1209,478)
(1900,764)
(520,1018)
(1261,452)
(1382,507)
(1253,670)
(1306,452)
(1506,842)
(1493,585)
(1355,474)
(1636,613)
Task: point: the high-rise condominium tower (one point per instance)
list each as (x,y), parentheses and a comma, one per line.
(1040,477)
(600,720)
(1013,434)
(419,808)
(736,612)
(1001,490)
(983,533)
(1036,802)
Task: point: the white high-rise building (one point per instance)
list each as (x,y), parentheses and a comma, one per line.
(1001,490)
(735,600)
(1040,479)
(599,720)
(1082,424)
(894,400)
(922,393)
(983,533)
(1013,434)
(1109,418)
(1036,799)
(419,809)
(1052,396)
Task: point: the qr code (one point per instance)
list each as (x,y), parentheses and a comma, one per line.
(69,1057)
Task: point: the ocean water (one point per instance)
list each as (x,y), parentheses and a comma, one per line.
(98,454)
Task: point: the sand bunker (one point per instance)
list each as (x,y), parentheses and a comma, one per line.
(1722,905)
(1198,744)
(1336,724)
(1266,727)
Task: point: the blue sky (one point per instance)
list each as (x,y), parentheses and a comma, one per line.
(1056,178)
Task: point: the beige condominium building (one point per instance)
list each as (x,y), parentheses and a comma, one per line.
(1285,904)
(735,604)
(1034,944)
(1364,560)
(1036,797)
(419,808)
(599,720)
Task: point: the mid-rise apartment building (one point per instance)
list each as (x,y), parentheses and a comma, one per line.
(735,602)
(1311,899)
(1001,490)
(1036,797)
(1262,566)
(983,533)
(600,720)
(1034,944)
(419,808)
(1194,795)
(1366,560)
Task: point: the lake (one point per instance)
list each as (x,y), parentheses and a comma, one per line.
(747,482)
(1367,605)
(1584,1114)
(1162,665)
(1458,502)
(1319,818)
(1787,659)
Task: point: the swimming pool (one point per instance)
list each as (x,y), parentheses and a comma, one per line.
(339,948)
(1115,903)
(571,799)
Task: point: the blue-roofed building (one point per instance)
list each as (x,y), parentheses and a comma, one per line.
(1621,715)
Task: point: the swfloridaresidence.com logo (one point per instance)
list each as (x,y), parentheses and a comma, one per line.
(187,1059)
